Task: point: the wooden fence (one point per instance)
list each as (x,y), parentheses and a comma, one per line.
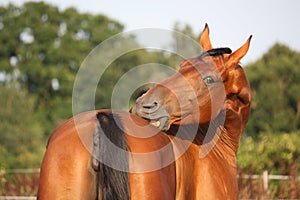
(17,198)
(265,177)
(262,180)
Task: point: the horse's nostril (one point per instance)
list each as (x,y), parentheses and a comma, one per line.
(150,105)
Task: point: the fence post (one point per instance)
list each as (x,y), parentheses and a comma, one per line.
(265,181)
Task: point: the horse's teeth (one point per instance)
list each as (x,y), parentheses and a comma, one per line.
(157,123)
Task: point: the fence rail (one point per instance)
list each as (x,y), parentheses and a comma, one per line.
(16,198)
(270,177)
(23,171)
(266,177)
(245,176)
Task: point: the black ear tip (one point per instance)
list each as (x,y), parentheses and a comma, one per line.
(206,27)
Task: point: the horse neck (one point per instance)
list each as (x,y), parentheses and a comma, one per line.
(198,134)
(238,102)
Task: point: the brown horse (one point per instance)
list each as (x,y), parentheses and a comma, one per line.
(109,154)
(210,93)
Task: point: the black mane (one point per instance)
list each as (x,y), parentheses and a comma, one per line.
(216,52)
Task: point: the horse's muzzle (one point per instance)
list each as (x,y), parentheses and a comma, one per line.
(152,111)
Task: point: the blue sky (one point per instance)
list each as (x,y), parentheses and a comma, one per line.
(231,21)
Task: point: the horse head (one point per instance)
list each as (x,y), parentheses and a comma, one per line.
(199,91)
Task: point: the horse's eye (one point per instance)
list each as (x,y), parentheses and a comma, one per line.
(209,80)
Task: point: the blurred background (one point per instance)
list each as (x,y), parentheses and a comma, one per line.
(43,43)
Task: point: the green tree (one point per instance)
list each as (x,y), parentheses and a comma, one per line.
(21,137)
(273,153)
(46,46)
(41,49)
(275,80)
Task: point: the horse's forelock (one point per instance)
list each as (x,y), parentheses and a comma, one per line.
(216,52)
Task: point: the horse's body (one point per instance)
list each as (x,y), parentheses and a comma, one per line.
(67,171)
(201,169)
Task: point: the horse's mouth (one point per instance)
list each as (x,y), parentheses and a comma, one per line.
(159,118)
(161,123)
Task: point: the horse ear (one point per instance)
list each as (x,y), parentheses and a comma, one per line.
(236,56)
(205,40)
